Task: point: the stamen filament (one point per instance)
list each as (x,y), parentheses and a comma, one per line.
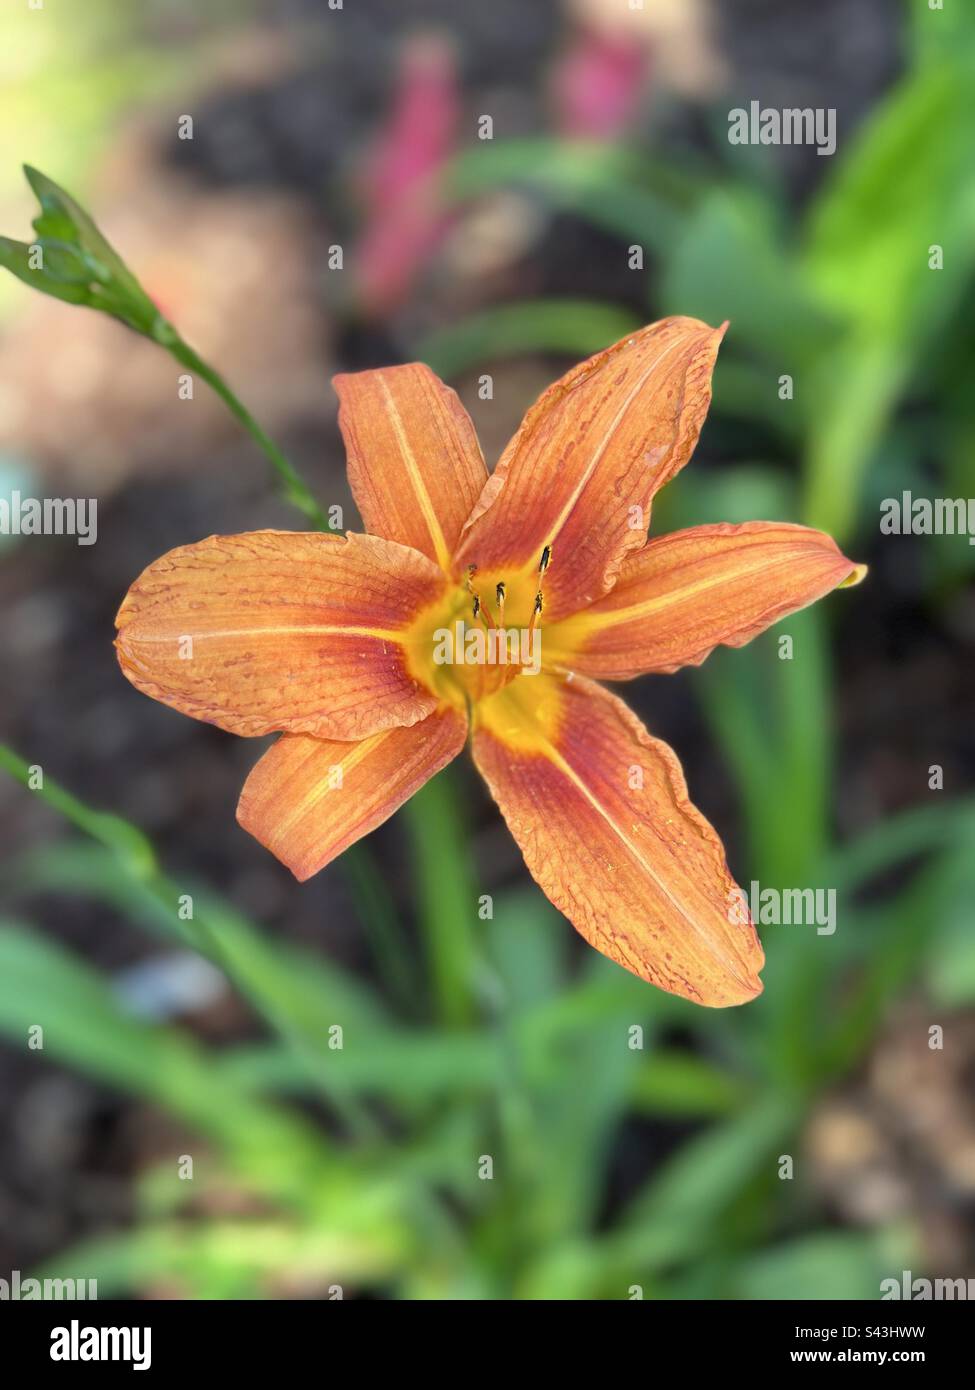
(479,611)
(536,611)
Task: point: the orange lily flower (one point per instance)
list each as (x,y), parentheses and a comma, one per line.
(338,643)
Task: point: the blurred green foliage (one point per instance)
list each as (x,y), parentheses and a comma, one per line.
(843,298)
(384,1191)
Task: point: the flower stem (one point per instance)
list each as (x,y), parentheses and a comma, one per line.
(378,915)
(447,895)
(296,490)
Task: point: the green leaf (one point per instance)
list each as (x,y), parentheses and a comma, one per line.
(867,258)
(730,262)
(902,945)
(407,1068)
(770,719)
(116,834)
(827,1265)
(951,970)
(573,327)
(447,897)
(945,35)
(576,1112)
(53,271)
(84,1026)
(920,830)
(680,1084)
(674,1216)
(706,496)
(286,985)
(642,200)
(849,397)
(527,943)
(240,1259)
(869,232)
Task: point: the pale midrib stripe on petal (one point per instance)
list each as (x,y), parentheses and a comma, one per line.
(307,804)
(730,964)
(598,622)
(419,487)
(309,631)
(605,441)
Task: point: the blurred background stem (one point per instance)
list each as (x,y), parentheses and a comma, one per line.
(377,911)
(447,895)
(771,718)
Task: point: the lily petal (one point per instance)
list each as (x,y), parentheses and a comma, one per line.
(280,630)
(308,799)
(688,592)
(415,466)
(601,813)
(588,459)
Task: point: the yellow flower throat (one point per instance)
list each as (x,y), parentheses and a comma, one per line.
(483,634)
